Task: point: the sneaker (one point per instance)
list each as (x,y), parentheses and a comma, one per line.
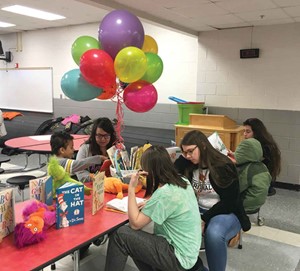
(234,241)
(272,191)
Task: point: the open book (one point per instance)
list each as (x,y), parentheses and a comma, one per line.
(121,204)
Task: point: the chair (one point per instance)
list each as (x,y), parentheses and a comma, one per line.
(21,182)
(3,159)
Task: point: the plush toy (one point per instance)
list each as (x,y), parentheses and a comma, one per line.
(38,217)
(116,186)
(60,176)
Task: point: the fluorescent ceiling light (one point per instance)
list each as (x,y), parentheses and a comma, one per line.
(3,24)
(31,12)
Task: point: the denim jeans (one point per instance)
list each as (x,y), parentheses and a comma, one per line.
(219,231)
(148,251)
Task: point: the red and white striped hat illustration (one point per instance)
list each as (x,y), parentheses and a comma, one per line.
(60,198)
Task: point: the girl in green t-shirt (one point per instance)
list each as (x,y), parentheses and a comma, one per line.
(172,207)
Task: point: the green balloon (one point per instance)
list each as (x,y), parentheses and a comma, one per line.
(154,68)
(81,45)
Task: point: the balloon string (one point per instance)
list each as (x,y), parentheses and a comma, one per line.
(120,119)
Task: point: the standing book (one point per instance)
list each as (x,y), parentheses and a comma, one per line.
(7,213)
(69,205)
(41,189)
(98,192)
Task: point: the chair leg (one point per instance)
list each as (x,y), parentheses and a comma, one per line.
(240,245)
(260,219)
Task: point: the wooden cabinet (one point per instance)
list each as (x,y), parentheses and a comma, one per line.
(230,133)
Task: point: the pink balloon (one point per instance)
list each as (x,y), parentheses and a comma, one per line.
(140,96)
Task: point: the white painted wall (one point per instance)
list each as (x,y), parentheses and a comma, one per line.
(271,81)
(52,48)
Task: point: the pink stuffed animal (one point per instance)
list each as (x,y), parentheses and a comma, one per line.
(38,217)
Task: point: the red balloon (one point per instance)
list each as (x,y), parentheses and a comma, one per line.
(97,68)
(108,92)
(140,96)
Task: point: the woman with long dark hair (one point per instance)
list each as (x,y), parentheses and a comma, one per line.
(215,181)
(102,137)
(254,128)
(172,207)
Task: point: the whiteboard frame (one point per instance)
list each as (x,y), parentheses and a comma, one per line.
(27,89)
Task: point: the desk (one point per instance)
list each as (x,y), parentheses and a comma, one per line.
(62,242)
(38,144)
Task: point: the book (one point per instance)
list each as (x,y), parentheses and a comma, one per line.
(174,152)
(111,154)
(216,141)
(69,205)
(41,189)
(7,211)
(121,204)
(98,192)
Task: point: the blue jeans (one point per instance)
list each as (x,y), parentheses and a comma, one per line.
(219,231)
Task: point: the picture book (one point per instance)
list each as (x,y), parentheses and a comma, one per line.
(41,189)
(98,192)
(125,159)
(69,205)
(105,167)
(111,154)
(132,156)
(121,204)
(7,213)
(216,141)
(174,153)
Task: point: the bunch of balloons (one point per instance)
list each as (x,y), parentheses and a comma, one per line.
(122,60)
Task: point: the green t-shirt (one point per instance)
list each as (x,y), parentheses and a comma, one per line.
(175,214)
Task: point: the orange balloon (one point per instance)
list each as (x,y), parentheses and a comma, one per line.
(108,92)
(150,45)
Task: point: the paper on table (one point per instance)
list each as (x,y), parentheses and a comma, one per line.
(121,204)
(41,137)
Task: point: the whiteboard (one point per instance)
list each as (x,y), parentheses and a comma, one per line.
(28,89)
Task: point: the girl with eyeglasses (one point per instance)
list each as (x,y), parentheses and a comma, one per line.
(102,137)
(215,181)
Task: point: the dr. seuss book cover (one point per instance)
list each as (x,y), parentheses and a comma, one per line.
(69,205)
(41,189)
(98,192)
(7,215)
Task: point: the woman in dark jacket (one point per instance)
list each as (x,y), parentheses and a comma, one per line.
(215,181)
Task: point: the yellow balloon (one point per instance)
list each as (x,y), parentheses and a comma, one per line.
(150,45)
(130,64)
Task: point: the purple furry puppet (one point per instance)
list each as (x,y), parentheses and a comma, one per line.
(38,217)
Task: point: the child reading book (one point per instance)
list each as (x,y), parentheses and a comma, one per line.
(63,147)
(173,208)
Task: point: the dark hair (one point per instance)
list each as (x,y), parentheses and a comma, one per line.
(107,126)
(270,148)
(209,157)
(59,140)
(157,162)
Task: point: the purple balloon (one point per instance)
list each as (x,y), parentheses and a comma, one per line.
(120,29)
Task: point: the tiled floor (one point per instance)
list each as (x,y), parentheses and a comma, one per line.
(265,248)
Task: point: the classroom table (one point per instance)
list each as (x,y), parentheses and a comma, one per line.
(39,144)
(60,242)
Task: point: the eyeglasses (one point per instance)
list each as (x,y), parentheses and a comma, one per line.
(189,152)
(106,136)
